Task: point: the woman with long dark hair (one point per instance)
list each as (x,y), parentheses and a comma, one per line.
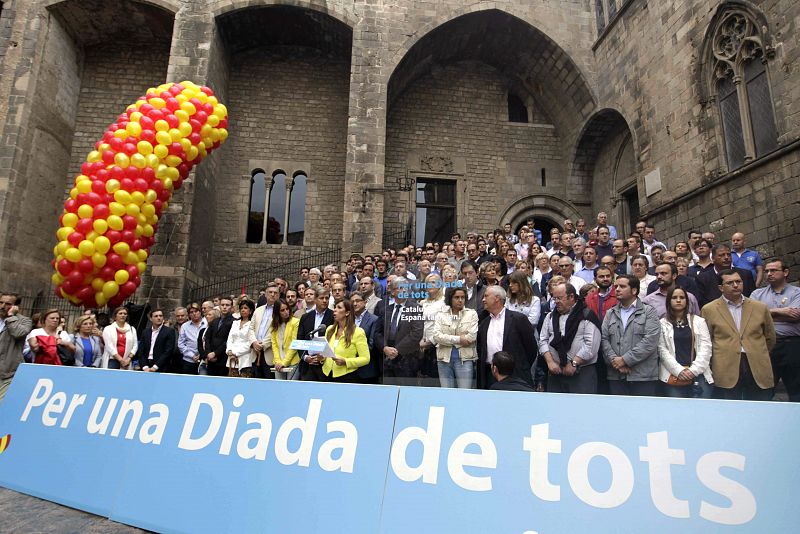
(238,349)
(455,331)
(522,297)
(284,331)
(684,350)
(349,343)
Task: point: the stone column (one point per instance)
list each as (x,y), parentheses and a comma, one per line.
(362,227)
(289,185)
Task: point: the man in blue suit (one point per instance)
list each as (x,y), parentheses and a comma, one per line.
(373,328)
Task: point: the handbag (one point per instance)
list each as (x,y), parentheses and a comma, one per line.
(234,369)
(674,380)
(66,355)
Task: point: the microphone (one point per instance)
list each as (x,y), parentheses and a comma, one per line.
(319,329)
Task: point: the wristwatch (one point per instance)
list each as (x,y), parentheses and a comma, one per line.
(575,365)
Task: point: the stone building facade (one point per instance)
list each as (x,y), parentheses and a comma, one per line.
(685,112)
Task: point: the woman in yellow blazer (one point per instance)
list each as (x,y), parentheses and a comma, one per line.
(284,331)
(350,346)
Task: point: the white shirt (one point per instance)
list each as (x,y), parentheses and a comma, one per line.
(494,335)
(153,336)
(577,282)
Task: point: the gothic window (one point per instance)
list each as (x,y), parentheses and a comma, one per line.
(277,208)
(742,85)
(436,210)
(601,17)
(258,198)
(517,111)
(297,209)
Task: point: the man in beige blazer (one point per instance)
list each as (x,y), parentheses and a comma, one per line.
(742,334)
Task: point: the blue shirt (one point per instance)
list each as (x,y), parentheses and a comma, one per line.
(625,313)
(87,351)
(748,259)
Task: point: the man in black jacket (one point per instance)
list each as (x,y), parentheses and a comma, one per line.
(403,326)
(502,371)
(708,282)
(504,330)
(311,365)
(216,336)
(157,344)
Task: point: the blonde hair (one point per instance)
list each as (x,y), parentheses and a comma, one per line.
(76,327)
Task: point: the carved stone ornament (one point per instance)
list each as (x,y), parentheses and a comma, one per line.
(737,41)
(436,164)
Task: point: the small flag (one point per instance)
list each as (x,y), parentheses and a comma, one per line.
(5,441)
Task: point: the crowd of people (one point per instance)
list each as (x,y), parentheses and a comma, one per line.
(582,310)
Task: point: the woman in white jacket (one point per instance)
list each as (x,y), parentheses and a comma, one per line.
(240,353)
(120,342)
(684,350)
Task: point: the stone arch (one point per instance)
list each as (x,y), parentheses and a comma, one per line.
(173,6)
(507,41)
(548,207)
(221,7)
(594,138)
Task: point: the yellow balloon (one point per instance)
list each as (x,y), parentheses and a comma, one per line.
(122,160)
(144,148)
(99,297)
(85,211)
(73,193)
(56,278)
(131,258)
(110,289)
(168,184)
(138,161)
(153,160)
(142,254)
(149,197)
(213,120)
(182,115)
(220,111)
(137,197)
(115,222)
(175,134)
(99,261)
(141,266)
(86,247)
(223,134)
(102,244)
(161,151)
(189,108)
(97,284)
(173,161)
(94,156)
(70,219)
(121,248)
(141,219)
(117,209)
(100,226)
(112,186)
(134,129)
(147,230)
(64,231)
(62,247)
(121,133)
(91,236)
(123,197)
(161,125)
(121,276)
(73,254)
(83,186)
(132,209)
(163,138)
(185,129)
(136,115)
(157,103)
(192,153)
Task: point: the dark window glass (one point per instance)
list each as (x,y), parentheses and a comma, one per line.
(601,18)
(297,210)
(436,210)
(255,219)
(731,123)
(517,112)
(277,208)
(761,114)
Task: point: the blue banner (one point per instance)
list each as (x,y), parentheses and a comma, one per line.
(174,453)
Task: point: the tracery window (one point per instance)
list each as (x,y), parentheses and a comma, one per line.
(277,208)
(743,91)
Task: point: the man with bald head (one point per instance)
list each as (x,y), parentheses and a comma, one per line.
(744,258)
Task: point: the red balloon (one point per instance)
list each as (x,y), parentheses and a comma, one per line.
(106,273)
(133,271)
(128,222)
(131,140)
(65,267)
(184,170)
(175,149)
(126,184)
(127,289)
(130,149)
(84,226)
(85,293)
(146,122)
(195,138)
(128,236)
(149,174)
(68,286)
(116,300)
(117,173)
(149,134)
(157,186)
(201,115)
(176,89)
(101,211)
(75,277)
(137,280)
(99,187)
(108,136)
(173,104)
(108,156)
(136,245)
(114,261)
(85,266)
(71,205)
(145,108)
(223,124)
(75,238)
(158,205)
(132,172)
(166,95)
(164,195)
(208,108)
(93,199)
(155,115)
(196,125)
(140,184)
(177,184)
(116,145)
(114,236)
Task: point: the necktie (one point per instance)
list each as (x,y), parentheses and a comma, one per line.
(395,319)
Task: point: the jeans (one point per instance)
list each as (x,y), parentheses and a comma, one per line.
(703,390)
(293,373)
(456,373)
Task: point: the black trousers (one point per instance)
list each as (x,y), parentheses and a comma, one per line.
(584,381)
(646,388)
(786,365)
(189,368)
(313,373)
(746,388)
(401,370)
